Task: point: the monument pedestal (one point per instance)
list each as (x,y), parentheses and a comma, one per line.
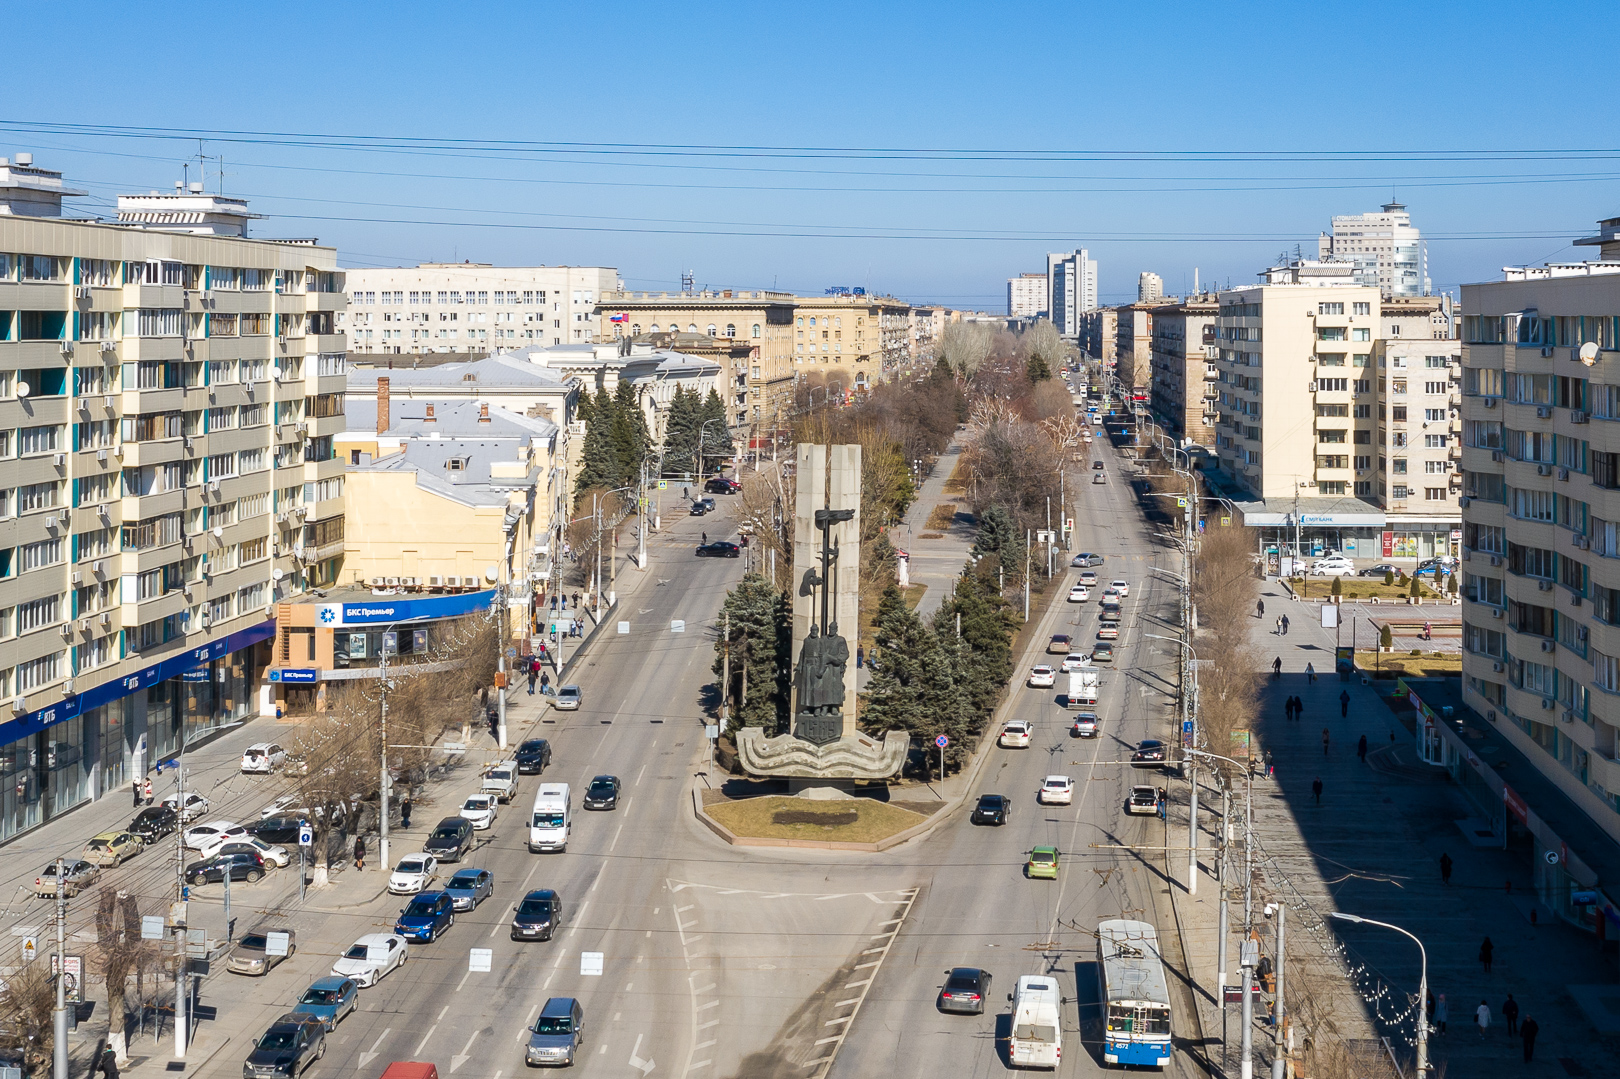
(852,756)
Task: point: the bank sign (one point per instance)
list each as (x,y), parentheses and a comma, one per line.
(390,610)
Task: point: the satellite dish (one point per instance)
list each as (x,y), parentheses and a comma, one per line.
(219,532)
(23,390)
(491,572)
(1589,353)
(276,575)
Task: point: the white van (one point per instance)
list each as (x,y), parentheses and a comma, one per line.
(1037,1025)
(552,818)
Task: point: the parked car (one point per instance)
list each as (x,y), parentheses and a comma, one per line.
(1085,725)
(991,809)
(196,805)
(1015,734)
(76,875)
(262,758)
(1057,790)
(555,1036)
(155,822)
(470,887)
(413,873)
(426,916)
(1437,570)
(1332,567)
(701,506)
(1042,864)
(213,833)
(603,793)
(537,916)
(1103,652)
(452,837)
(480,809)
(1086,559)
(329,999)
(719,549)
(277,830)
(274,855)
(532,756)
(1149,753)
(1144,800)
(722,485)
(287,1048)
(965,991)
(1042,676)
(568,699)
(111,849)
(1059,645)
(241,865)
(1383,569)
(1079,594)
(252,952)
(371,958)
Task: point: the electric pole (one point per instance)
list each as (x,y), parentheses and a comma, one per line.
(59,1022)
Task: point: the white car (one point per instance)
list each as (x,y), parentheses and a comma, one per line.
(1333,567)
(371,957)
(1075,660)
(1110,596)
(1057,791)
(196,805)
(413,874)
(214,833)
(1015,735)
(1122,587)
(262,758)
(1143,801)
(272,853)
(480,809)
(1089,579)
(1042,676)
(1079,594)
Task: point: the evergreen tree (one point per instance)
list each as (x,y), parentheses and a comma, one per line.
(717,443)
(998,535)
(583,407)
(600,464)
(1036,369)
(903,690)
(761,643)
(681,432)
(630,437)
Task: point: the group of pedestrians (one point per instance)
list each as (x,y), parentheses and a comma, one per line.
(1526,1031)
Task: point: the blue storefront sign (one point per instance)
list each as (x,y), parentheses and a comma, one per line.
(295,674)
(388,611)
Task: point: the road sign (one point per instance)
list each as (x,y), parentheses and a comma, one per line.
(305,835)
(942,741)
(152,927)
(590,964)
(677,626)
(511,653)
(1186,732)
(663,485)
(30,949)
(454,748)
(1181,503)
(196,944)
(478,960)
(711,731)
(277,944)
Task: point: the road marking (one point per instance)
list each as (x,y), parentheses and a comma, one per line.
(641,773)
(705,989)
(851,1000)
(615,842)
(710,1023)
(462,1057)
(846,1022)
(371,1054)
(418,1050)
(835,1022)
(532,872)
(442,1012)
(711,1004)
(823,898)
(824,1041)
(629,986)
(461,983)
(699,1064)
(873,963)
(704,1045)
(869,951)
(857,985)
(496,928)
(644,1066)
(683,910)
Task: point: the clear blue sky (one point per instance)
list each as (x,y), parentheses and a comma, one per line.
(1428,99)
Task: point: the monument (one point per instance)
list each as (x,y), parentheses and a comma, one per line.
(824,742)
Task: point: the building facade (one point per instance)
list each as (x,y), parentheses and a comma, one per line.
(1071,289)
(473,307)
(1185,377)
(1149,287)
(1027,295)
(1386,249)
(169,394)
(1098,329)
(1133,347)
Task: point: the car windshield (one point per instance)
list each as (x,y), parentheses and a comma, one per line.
(990,801)
(358,951)
(319,996)
(501,774)
(554,1024)
(99,844)
(422,906)
(279,1038)
(254,941)
(477,804)
(465,879)
(531,747)
(548,820)
(601,787)
(445,835)
(410,866)
(534,908)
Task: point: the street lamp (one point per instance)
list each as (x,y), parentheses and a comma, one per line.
(1423,984)
(1189,715)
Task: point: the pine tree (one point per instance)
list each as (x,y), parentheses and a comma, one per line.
(761,642)
(897,696)
(998,536)
(630,437)
(717,443)
(1036,369)
(600,465)
(681,432)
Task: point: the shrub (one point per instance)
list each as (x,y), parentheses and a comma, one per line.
(1451,584)
(1338,586)
(1389,576)
(1386,639)
(1416,590)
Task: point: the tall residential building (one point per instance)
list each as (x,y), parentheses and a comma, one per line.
(473,307)
(1185,377)
(1071,289)
(1098,329)
(1385,248)
(1149,287)
(1541,524)
(1027,295)
(1133,347)
(169,393)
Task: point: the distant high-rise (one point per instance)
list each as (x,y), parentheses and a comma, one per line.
(1149,286)
(1027,295)
(1071,285)
(1386,249)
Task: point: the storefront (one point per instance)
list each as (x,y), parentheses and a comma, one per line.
(99,741)
(1314,527)
(1418,539)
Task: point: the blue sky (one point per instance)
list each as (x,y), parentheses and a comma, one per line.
(1199,114)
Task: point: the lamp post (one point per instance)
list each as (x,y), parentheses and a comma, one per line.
(1188,715)
(514,514)
(1423,984)
(1248,884)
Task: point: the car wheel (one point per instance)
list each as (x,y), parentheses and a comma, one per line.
(254,876)
(198,880)
(322,1053)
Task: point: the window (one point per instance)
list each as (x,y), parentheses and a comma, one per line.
(96,544)
(1397,413)
(1435,442)
(1361,308)
(1434,415)
(1330,308)
(1330,359)
(38,614)
(1360,333)
(221,372)
(1332,385)
(1333,410)
(1400,466)
(756,329)
(1605,672)
(158,322)
(1436,388)
(221,464)
(222,419)
(253,550)
(152,532)
(1531,505)
(1434,468)
(36,440)
(1398,491)
(249,461)
(39,672)
(38,496)
(1331,436)
(1331,487)
(1330,333)
(98,325)
(44,553)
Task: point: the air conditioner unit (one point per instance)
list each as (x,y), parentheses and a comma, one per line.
(1497,667)
(187,440)
(1496,455)
(376,582)
(1463,501)
(1543,412)
(1544,470)
(118,451)
(84,625)
(1584,542)
(1577,416)
(107,402)
(1569,717)
(391,582)
(213,486)
(1496,560)
(1544,586)
(61,459)
(1548,704)
(1490,402)
(66,348)
(301,428)
(299,511)
(185,542)
(1547,646)
(98,568)
(108,345)
(1546,350)
(101,456)
(435,582)
(206,620)
(106,618)
(1563,473)
(411,582)
(67,629)
(78,577)
(1496,612)
(452,582)
(19,705)
(81,292)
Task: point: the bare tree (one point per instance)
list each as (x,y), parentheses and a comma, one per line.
(120,953)
(964,346)
(27,1000)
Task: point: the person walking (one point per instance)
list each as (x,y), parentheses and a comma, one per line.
(1325,739)
(545,681)
(1485,950)
(1299,709)
(136,790)
(1285,625)
(1445,869)
(1271,768)
(146,789)
(533,678)
(1260,608)
(405,812)
(1428,632)
(1279,625)
(1344,704)
(109,1063)
(1510,1012)
(1482,1016)
(1310,673)
(359,852)
(1276,667)
(1361,749)
(1528,1032)
(860,657)
(1441,1013)
(1316,789)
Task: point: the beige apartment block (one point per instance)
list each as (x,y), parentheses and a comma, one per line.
(1098,329)
(169,394)
(1416,474)
(1541,521)
(1185,377)
(1027,295)
(473,307)
(1133,345)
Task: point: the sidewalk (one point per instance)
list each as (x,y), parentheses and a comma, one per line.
(1372,848)
(935,563)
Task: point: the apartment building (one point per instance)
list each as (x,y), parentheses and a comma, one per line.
(1133,347)
(1149,287)
(473,307)
(1541,523)
(1098,330)
(1071,289)
(1027,295)
(1416,475)
(1185,378)
(1385,248)
(169,393)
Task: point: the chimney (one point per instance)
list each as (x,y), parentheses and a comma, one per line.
(384,416)
(483,412)
(429,417)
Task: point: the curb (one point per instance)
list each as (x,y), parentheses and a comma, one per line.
(809,844)
(191,1064)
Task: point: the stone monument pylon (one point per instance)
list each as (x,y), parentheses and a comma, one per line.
(824,742)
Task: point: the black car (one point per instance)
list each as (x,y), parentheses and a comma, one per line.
(719,549)
(451,838)
(965,990)
(1149,754)
(1380,570)
(538,916)
(243,865)
(992,809)
(700,506)
(154,822)
(722,485)
(603,793)
(1097,465)
(533,756)
(289,1047)
(282,829)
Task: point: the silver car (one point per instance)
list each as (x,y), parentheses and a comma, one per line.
(252,954)
(568,698)
(556,1035)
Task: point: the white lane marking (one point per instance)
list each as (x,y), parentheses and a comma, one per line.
(462,1057)
(683,910)
(846,1022)
(711,1004)
(496,928)
(862,966)
(371,1054)
(705,1045)
(463,981)
(641,773)
(835,1022)
(418,1050)
(851,1000)
(643,1066)
(442,1013)
(710,1023)
(705,989)
(615,842)
(857,985)
(532,871)
(824,1041)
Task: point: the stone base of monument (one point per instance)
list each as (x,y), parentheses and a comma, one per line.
(854,756)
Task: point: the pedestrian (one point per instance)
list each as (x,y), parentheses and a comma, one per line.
(1485,950)
(146,789)
(1260,608)
(405,812)
(1441,1013)
(860,657)
(1285,625)
(1316,789)
(705,537)
(1445,869)
(136,790)
(1344,704)
(1482,1016)
(1279,625)
(533,678)
(1271,768)
(109,1062)
(1428,632)
(1528,1032)
(359,852)
(545,680)
(1361,749)
(1510,1012)
(1325,739)
(1299,706)
(1276,667)
(1310,673)
(576,600)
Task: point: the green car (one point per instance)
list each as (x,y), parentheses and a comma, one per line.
(1042,864)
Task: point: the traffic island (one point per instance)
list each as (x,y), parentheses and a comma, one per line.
(860,824)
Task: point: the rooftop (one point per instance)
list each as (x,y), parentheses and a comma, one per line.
(472,482)
(455,418)
(493,372)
